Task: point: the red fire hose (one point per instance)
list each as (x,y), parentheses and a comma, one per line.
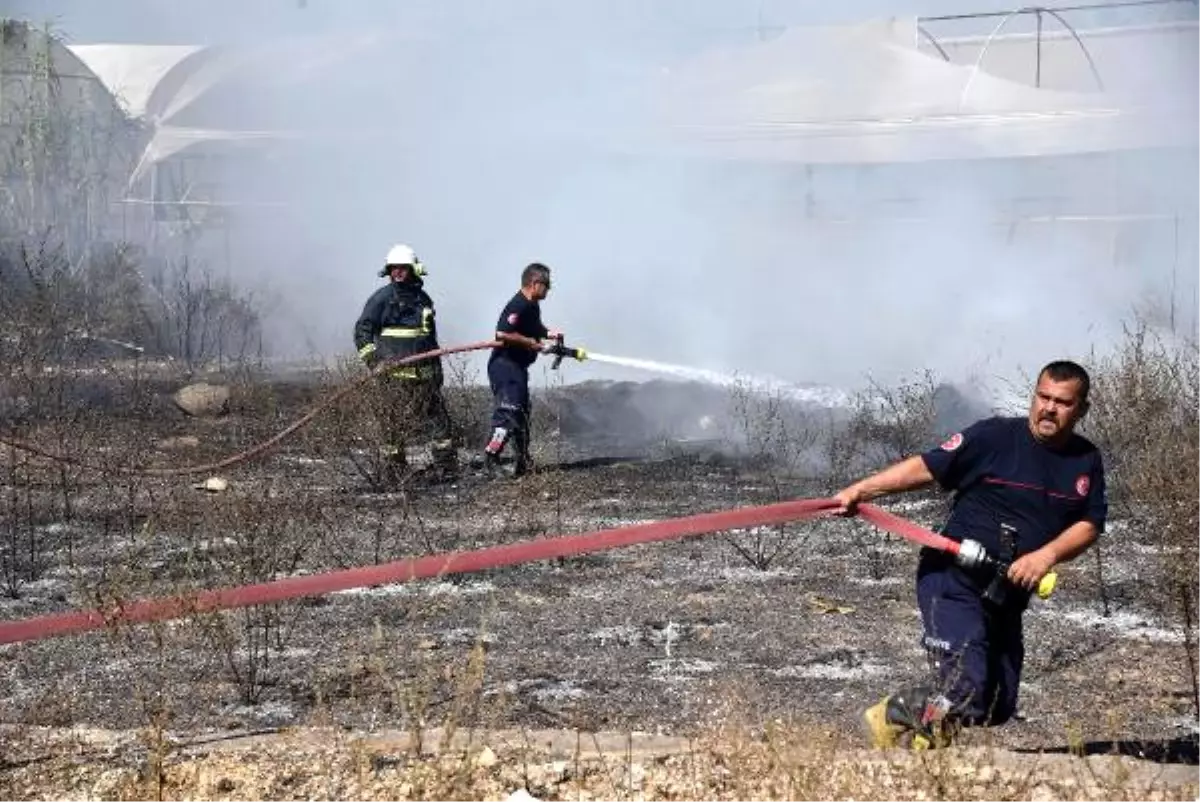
(160,609)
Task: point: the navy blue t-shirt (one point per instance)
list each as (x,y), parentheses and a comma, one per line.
(520,316)
(1002,474)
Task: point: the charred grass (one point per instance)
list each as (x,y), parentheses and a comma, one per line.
(750,652)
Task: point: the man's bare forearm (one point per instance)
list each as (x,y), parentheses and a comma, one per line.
(908,474)
(1028,570)
(520,340)
(1073,541)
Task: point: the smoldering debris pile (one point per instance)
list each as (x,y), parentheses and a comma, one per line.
(610,418)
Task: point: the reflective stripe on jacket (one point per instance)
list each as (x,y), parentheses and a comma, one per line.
(399,320)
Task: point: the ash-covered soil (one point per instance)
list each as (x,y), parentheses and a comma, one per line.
(670,638)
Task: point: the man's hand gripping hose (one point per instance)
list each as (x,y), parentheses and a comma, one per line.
(972,555)
(555,346)
(968,554)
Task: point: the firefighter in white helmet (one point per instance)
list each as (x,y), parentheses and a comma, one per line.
(398,320)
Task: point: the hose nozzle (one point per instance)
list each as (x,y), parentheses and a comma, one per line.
(559,350)
(972,555)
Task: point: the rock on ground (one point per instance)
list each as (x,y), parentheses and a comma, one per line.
(202,400)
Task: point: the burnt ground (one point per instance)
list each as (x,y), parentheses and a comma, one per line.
(664,638)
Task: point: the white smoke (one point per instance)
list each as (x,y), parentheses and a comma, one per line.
(477,133)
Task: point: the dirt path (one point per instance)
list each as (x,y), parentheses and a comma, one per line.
(547,764)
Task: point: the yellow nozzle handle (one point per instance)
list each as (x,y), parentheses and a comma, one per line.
(580,354)
(1046,586)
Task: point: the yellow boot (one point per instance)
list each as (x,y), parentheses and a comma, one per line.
(939,735)
(881,733)
(912,719)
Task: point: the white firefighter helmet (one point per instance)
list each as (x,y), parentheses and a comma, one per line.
(403,255)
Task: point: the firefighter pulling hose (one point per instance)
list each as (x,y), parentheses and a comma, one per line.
(1029,495)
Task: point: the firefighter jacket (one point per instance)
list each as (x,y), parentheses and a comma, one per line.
(398,321)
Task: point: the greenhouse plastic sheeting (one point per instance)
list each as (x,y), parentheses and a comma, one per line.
(867,94)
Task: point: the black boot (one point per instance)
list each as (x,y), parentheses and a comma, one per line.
(445,459)
(522,463)
(486,463)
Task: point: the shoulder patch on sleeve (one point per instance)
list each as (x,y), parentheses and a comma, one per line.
(952,442)
(1082,485)
(513,318)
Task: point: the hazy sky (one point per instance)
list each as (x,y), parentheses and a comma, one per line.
(474,131)
(224,21)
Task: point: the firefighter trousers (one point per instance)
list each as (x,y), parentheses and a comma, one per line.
(510,414)
(976,648)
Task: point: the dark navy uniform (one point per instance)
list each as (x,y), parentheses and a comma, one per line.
(1013,494)
(508,375)
(398,320)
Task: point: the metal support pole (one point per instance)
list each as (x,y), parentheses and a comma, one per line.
(1037,75)
(1174,270)
(1105,6)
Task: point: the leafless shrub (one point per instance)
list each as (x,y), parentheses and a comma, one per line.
(203,318)
(41,379)
(31,530)
(886,424)
(349,433)
(773,436)
(771,430)
(1146,399)
(469,402)
(244,540)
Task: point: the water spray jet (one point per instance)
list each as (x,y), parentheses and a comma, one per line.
(761,385)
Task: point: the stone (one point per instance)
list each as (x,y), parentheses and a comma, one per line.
(486,758)
(180,443)
(203,400)
(213,484)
